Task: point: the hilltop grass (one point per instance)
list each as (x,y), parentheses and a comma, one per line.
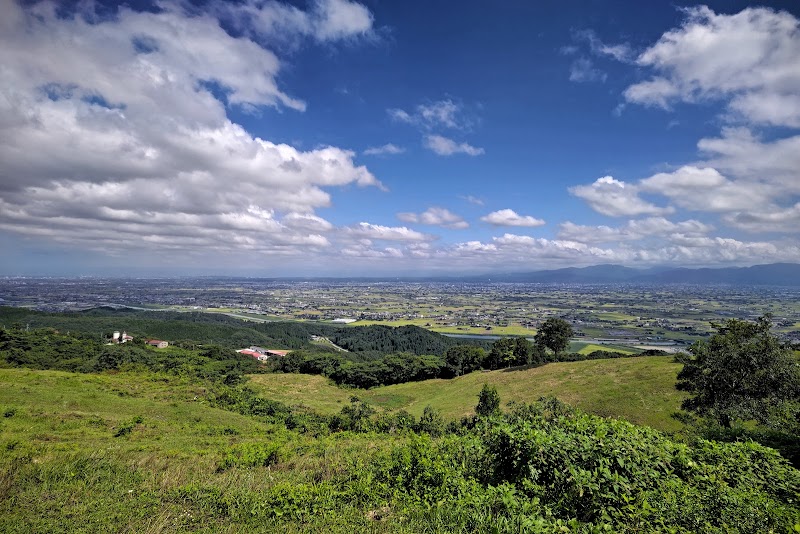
(144,452)
(588,348)
(640,390)
(138,452)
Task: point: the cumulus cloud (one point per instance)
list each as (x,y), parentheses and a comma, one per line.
(435,216)
(744,156)
(437,115)
(779,220)
(616,198)
(326,20)
(366,230)
(444,146)
(365,250)
(115,129)
(515,252)
(509,217)
(633,230)
(751,58)
(388,148)
(705,189)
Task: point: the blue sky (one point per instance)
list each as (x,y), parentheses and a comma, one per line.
(332,137)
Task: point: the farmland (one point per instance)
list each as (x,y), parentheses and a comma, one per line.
(665,316)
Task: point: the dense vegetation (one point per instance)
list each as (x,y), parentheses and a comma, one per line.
(143,452)
(47,349)
(366,370)
(367,356)
(192,328)
(745,383)
(139,446)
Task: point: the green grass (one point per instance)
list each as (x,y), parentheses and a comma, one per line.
(140,452)
(640,390)
(588,348)
(133,452)
(307,391)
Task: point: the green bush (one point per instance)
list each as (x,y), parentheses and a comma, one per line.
(253,455)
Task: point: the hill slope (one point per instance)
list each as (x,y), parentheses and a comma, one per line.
(640,390)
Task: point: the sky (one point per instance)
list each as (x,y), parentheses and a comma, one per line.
(343,138)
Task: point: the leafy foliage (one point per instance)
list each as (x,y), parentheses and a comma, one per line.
(543,468)
(554,334)
(488,401)
(387,339)
(48,349)
(742,372)
(391,369)
(463,359)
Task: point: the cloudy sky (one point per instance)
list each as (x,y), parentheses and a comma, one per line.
(330,137)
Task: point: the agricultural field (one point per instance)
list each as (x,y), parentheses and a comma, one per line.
(617,314)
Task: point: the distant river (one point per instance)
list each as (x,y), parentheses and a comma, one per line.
(479,336)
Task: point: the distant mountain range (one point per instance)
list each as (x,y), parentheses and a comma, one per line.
(779,274)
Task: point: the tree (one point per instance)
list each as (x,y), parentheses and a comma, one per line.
(463,359)
(742,372)
(501,354)
(488,401)
(431,422)
(554,334)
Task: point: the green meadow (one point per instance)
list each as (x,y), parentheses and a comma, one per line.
(640,390)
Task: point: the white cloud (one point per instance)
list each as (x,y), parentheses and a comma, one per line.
(388,148)
(435,216)
(306,221)
(400,115)
(583,70)
(113,134)
(472,200)
(633,230)
(509,217)
(779,220)
(337,19)
(751,58)
(439,114)
(616,198)
(326,20)
(365,230)
(620,52)
(444,146)
(705,189)
(742,155)
(365,250)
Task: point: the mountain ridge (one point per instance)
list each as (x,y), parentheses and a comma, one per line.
(780,274)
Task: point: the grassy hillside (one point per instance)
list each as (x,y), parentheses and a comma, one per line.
(640,390)
(145,453)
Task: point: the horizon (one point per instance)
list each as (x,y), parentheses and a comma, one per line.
(343,139)
(389,277)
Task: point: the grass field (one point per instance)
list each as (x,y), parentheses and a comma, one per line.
(140,453)
(588,348)
(641,390)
